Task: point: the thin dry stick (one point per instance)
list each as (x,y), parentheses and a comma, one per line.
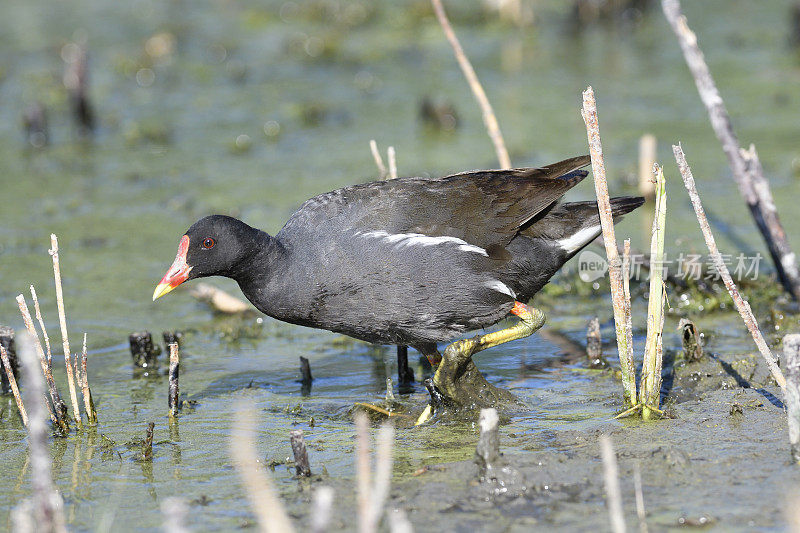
(59,408)
(650,393)
(88,402)
(791,355)
(637,484)
(613,493)
(747,171)
(62,320)
(363,472)
(390,154)
(269,510)
(589,113)
(38,312)
(13,383)
(383,474)
(323,503)
(741,305)
(489,118)
(47,504)
(373,146)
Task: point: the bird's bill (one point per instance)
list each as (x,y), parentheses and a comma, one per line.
(177,273)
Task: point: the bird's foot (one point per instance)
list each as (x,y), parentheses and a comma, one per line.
(459,382)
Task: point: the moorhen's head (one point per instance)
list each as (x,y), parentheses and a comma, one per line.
(214,246)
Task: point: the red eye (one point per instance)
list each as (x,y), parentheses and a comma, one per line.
(208,242)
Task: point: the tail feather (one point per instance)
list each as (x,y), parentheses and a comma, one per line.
(573,225)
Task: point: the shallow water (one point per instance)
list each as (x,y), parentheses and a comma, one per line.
(332,75)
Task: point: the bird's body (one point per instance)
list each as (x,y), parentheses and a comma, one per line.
(411,261)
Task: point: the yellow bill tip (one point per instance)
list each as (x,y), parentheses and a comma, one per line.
(161,290)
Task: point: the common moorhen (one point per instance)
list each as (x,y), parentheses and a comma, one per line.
(408,261)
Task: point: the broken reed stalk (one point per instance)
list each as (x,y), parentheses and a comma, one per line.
(589,113)
(719,264)
(398,522)
(747,170)
(269,510)
(373,147)
(62,320)
(390,154)
(301,464)
(791,353)
(39,318)
(647,158)
(372,495)
(147,445)
(59,410)
(174,372)
(47,504)
(383,473)
(613,493)
(487,451)
(323,504)
(650,393)
(363,473)
(13,384)
(489,118)
(174,510)
(88,401)
(637,484)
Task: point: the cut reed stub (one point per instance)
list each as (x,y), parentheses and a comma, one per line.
(305,376)
(7,342)
(143,351)
(174,371)
(791,353)
(8,374)
(594,345)
(301,464)
(692,340)
(147,443)
(487,452)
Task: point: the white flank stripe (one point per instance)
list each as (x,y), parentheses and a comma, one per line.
(418,239)
(499,286)
(578,239)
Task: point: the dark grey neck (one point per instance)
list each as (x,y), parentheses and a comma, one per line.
(260,267)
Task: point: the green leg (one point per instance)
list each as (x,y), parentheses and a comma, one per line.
(459,380)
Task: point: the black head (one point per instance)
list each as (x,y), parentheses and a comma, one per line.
(215,245)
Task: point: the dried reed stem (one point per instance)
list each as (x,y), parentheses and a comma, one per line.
(637,484)
(489,118)
(363,472)
(59,408)
(302,465)
(373,146)
(62,320)
(13,383)
(47,504)
(323,504)
(613,493)
(39,318)
(174,510)
(390,154)
(791,354)
(383,473)
(747,171)
(589,113)
(741,305)
(269,510)
(647,158)
(88,401)
(650,393)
